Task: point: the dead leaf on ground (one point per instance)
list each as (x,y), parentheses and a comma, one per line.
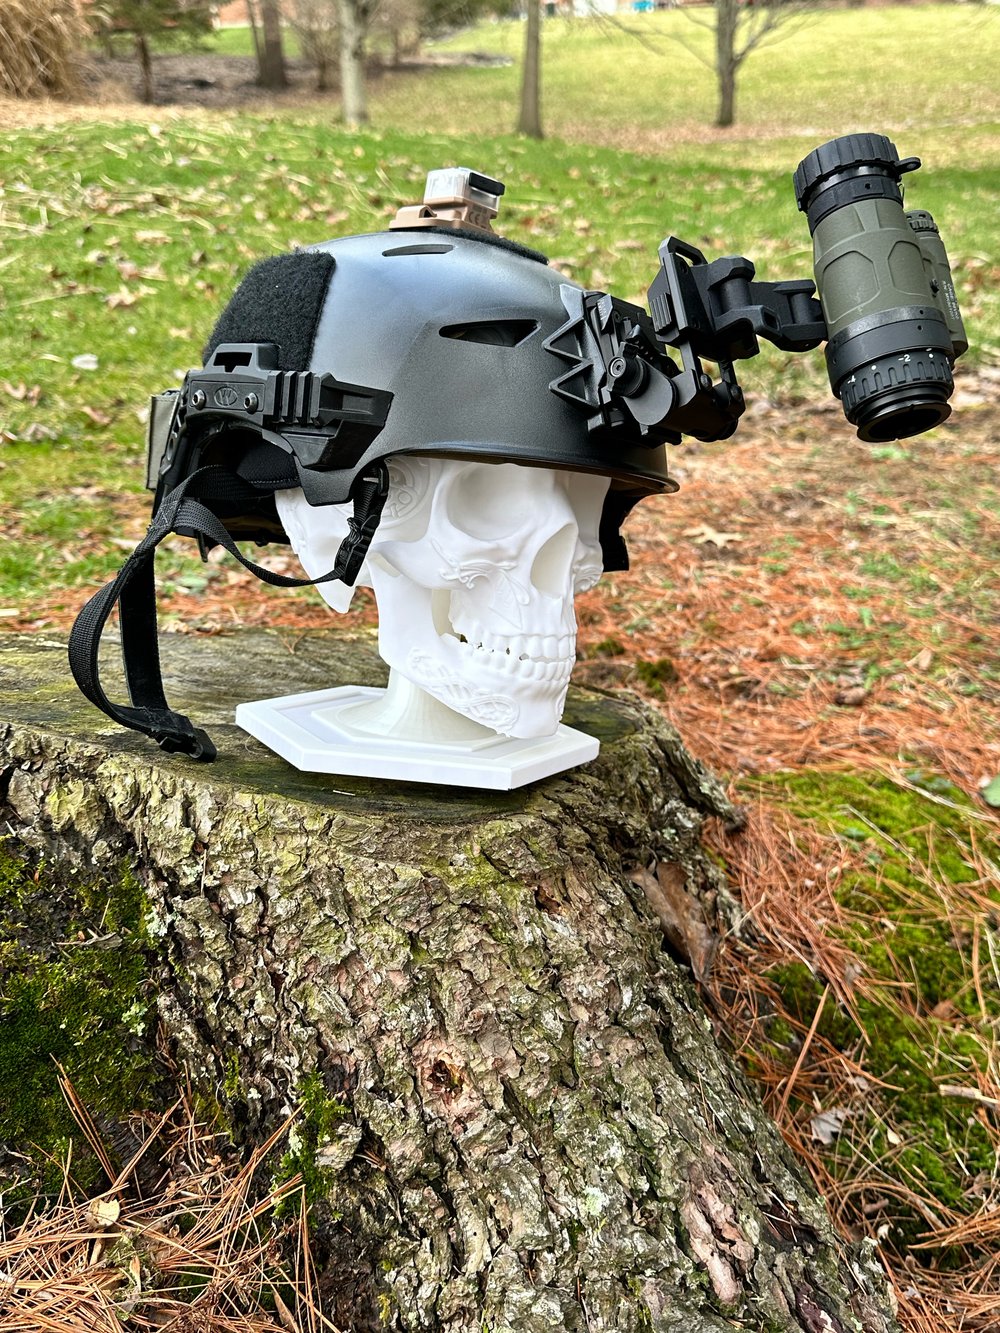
(826,1125)
(704,534)
(22,393)
(120,299)
(34,434)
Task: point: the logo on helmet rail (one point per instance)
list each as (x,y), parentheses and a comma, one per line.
(226,396)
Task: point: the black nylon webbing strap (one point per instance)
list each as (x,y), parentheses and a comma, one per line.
(133,590)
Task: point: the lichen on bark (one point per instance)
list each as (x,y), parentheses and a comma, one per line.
(540,1129)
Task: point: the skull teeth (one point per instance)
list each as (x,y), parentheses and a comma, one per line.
(535,656)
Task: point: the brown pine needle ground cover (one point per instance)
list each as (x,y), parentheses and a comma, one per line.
(185,1238)
(808,599)
(854,1128)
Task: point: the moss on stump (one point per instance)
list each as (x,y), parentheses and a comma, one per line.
(76,995)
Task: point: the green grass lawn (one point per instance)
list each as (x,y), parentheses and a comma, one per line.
(907,69)
(239,42)
(646,80)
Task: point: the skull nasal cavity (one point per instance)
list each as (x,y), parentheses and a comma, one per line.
(550,569)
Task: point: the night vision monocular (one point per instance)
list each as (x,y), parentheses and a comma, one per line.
(886,308)
(893,324)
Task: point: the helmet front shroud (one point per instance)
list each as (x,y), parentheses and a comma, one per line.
(428,342)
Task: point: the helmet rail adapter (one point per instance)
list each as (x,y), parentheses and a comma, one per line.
(439,337)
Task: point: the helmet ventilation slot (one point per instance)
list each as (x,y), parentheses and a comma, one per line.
(423,249)
(492,332)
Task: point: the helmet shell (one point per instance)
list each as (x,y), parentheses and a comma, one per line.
(454,327)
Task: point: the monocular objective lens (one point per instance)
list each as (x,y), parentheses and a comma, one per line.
(890,343)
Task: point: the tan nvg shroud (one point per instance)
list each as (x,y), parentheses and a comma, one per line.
(454,197)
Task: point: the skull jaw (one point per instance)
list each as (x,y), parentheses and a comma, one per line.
(522,699)
(474,570)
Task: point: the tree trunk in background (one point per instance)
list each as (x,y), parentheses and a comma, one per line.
(517,1111)
(255,32)
(354,15)
(271,62)
(147,90)
(726,62)
(530,119)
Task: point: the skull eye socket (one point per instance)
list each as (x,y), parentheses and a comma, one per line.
(492,332)
(487,501)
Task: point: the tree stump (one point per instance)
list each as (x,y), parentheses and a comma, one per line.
(517,1112)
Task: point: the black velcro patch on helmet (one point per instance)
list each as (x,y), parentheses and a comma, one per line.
(279,301)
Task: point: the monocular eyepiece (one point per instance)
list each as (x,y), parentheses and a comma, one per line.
(893,325)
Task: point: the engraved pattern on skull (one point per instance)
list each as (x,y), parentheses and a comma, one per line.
(474,568)
(407,483)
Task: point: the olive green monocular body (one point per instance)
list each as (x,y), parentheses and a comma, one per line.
(893,324)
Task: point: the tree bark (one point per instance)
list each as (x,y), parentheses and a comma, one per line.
(354,15)
(255,33)
(726,114)
(726,61)
(530,118)
(531,1123)
(271,72)
(148,90)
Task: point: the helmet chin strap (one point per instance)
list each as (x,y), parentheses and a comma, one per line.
(188,509)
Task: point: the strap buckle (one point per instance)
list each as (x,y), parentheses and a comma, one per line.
(198,745)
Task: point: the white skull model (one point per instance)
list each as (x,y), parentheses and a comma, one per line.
(474,567)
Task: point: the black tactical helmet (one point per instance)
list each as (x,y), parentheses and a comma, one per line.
(444,340)
(434,337)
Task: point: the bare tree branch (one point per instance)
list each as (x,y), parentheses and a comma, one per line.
(738,28)
(611,21)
